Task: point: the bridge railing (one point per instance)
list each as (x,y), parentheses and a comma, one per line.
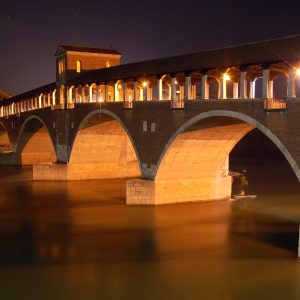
(177,104)
(274,104)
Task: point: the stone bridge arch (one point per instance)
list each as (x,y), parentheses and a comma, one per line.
(103,147)
(194,163)
(238,116)
(34,143)
(5,140)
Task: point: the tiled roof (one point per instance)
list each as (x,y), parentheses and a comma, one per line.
(278,50)
(4,95)
(90,50)
(28,94)
(285,49)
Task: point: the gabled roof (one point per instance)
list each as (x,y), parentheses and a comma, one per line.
(285,49)
(87,50)
(4,95)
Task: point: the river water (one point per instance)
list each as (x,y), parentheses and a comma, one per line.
(78,240)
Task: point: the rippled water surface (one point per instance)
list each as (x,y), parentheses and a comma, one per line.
(78,240)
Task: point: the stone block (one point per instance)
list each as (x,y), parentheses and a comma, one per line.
(149,192)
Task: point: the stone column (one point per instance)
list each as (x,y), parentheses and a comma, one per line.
(235,90)
(266,80)
(135,91)
(243,85)
(76,94)
(193,92)
(181,92)
(271,89)
(173,88)
(141,94)
(106,92)
(205,88)
(70,95)
(187,87)
(116,92)
(223,87)
(149,93)
(145,91)
(125,93)
(170,92)
(97,92)
(82,93)
(91,93)
(252,89)
(53,97)
(291,89)
(159,88)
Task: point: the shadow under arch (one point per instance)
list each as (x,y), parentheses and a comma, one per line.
(103,140)
(5,144)
(34,143)
(252,123)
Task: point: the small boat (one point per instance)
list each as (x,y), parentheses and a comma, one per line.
(238,197)
(236,174)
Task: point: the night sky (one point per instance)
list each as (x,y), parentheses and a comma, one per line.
(30,31)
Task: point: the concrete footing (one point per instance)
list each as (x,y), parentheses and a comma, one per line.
(58,171)
(149,192)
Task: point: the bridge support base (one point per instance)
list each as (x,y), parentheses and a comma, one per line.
(59,171)
(149,192)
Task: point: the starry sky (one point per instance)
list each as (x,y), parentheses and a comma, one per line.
(30,31)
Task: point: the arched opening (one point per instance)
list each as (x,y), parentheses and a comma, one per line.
(102,149)
(257,87)
(194,164)
(93,92)
(214,90)
(78,66)
(5,145)
(119,92)
(110,92)
(232,83)
(166,87)
(260,168)
(280,88)
(34,143)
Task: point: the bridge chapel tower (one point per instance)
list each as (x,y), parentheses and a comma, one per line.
(71,61)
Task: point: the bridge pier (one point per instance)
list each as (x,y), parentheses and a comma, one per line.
(88,171)
(155,192)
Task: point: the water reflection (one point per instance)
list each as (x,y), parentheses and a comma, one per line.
(82,235)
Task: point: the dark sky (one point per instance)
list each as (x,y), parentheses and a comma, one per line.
(30,31)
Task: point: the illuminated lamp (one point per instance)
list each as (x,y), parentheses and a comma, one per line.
(226,77)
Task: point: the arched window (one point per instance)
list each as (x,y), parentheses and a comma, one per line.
(78,66)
